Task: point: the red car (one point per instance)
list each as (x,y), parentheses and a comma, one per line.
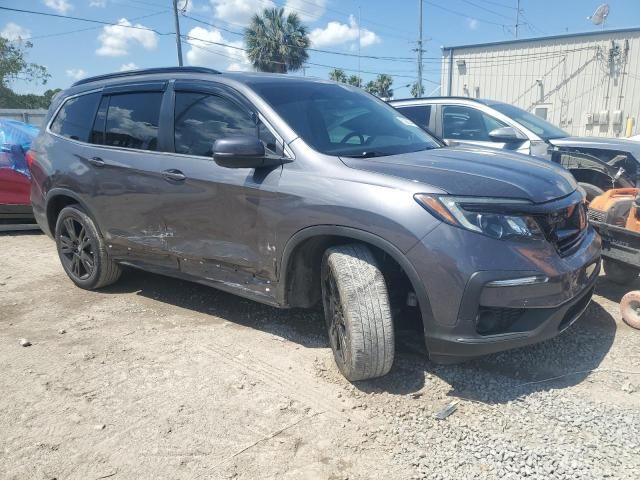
(15,179)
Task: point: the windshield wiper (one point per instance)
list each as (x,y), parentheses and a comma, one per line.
(366,154)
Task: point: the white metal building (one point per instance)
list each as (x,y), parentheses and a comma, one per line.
(586,83)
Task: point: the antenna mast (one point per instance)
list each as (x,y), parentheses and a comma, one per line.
(419,82)
(517,16)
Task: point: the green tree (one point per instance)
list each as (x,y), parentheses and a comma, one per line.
(275,42)
(372,87)
(384,82)
(14,66)
(417,91)
(338,75)
(354,80)
(381,86)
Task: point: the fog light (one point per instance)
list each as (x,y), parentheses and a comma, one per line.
(492,321)
(487,322)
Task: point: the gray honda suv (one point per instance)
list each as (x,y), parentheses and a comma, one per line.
(302,193)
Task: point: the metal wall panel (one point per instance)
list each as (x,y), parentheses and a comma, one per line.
(572,76)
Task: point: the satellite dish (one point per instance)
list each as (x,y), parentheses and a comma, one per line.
(600,15)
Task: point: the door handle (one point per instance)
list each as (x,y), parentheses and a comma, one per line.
(97,161)
(173,174)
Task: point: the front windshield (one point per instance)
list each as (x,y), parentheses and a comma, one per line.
(339,120)
(537,125)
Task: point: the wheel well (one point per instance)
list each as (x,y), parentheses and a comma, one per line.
(54,207)
(303,288)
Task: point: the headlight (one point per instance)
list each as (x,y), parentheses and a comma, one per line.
(482,215)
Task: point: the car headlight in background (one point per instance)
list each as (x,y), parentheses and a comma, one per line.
(482,215)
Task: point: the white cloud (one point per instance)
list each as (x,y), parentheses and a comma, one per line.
(60,6)
(472,23)
(76,73)
(13,31)
(239,11)
(98,3)
(215,56)
(336,33)
(307,10)
(128,66)
(116,39)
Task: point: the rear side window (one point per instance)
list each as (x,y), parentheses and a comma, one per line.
(131,121)
(201,119)
(466,123)
(419,114)
(75,118)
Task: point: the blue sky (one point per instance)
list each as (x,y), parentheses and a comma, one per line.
(72,49)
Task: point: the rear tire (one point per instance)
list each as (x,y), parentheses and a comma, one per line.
(618,272)
(357,312)
(591,190)
(82,250)
(630,309)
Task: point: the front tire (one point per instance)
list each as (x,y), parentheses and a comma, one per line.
(357,312)
(618,272)
(82,250)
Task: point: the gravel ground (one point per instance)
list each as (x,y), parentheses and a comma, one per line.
(159,378)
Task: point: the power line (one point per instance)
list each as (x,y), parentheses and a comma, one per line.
(319,50)
(241,49)
(486,9)
(498,4)
(89,20)
(60,34)
(464,15)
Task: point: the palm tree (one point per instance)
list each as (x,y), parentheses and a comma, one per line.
(354,80)
(276,43)
(338,75)
(417,91)
(381,86)
(384,82)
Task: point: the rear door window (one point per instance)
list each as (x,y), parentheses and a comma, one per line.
(466,123)
(419,114)
(132,121)
(75,118)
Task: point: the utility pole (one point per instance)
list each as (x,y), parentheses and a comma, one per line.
(419,82)
(178,41)
(517,16)
(359,23)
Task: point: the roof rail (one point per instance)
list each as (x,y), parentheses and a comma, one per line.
(145,71)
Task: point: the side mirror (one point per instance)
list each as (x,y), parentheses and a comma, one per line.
(506,135)
(450,143)
(241,152)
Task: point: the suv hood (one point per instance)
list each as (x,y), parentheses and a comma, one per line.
(603,143)
(475,172)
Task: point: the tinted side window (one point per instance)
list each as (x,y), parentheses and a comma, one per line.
(201,119)
(76,117)
(97,132)
(132,120)
(419,114)
(466,123)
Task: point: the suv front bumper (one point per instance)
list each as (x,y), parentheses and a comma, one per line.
(511,296)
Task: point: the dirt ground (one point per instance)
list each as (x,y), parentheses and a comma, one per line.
(160,378)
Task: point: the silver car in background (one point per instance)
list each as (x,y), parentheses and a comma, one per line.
(597,163)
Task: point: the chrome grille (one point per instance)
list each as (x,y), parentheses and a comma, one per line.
(597,215)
